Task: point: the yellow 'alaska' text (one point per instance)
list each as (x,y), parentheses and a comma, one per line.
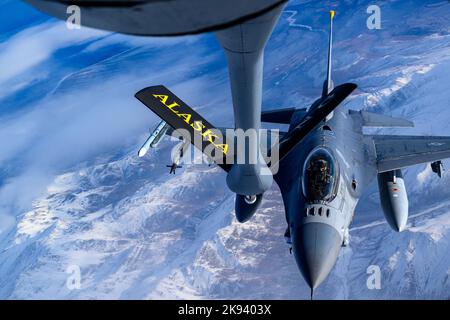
(197,125)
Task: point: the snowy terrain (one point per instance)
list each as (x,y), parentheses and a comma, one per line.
(74,193)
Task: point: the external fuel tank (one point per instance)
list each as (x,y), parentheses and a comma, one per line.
(394,199)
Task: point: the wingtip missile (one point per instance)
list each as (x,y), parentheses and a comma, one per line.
(146,146)
(154,138)
(142,151)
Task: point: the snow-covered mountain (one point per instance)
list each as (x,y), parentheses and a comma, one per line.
(74,195)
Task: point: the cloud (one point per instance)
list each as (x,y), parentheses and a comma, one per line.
(138,41)
(32,46)
(423,175)
(29,48)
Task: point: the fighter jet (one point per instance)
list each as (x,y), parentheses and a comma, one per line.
(325,160)
(326,173)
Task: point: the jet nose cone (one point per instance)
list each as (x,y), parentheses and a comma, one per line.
(316,247)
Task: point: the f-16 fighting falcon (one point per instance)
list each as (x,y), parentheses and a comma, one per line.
(325,161)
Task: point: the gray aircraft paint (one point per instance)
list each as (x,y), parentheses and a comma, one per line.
(244,48)
(348,139)
(159,18)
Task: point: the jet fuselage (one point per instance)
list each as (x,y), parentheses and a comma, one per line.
(321,181)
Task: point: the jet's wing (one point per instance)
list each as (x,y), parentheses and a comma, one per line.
(188,123)
(395,152)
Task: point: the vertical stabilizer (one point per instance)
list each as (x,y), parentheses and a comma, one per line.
(328,84)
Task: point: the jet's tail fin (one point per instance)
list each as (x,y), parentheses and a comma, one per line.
(278,115)
(370,119)
(188,123)
(328,83)
(283,116)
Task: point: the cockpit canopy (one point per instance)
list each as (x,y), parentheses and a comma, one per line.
(320,176)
